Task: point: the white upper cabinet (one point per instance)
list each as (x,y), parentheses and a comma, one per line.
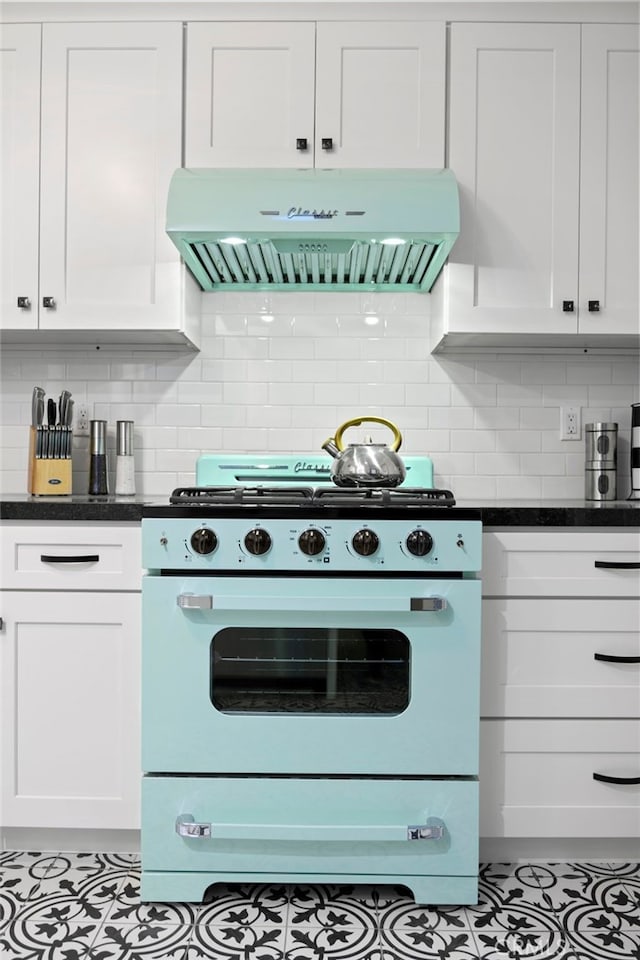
(330,94)
(609,179)
(19,195)
(109,110)
(543,139)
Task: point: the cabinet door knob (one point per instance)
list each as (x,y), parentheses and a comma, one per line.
(594,306)
(302,143)
(327,143)
(49,303)
(24,303)
(567,306)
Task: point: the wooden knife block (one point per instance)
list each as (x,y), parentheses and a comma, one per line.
(47,477)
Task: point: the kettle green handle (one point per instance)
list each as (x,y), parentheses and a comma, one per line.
(397,436)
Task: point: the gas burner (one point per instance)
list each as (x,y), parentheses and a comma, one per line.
(384,496)
(240,496)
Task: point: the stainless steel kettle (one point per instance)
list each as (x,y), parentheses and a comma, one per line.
(366,464)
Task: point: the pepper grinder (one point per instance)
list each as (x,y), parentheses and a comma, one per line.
(125,466)
(98,476)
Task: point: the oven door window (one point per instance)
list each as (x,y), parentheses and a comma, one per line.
(300,670)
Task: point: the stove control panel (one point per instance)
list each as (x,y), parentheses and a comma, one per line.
(231,544)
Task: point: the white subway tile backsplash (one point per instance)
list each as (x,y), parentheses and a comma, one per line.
(497,464)
(547,371)
(381,395)
(473,394)
(280,372)
(429,394)
(496,418)
(523,441)
(473,440)
(519,394)
(543,464)
(517,488)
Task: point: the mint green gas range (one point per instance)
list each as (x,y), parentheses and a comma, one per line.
(310,701)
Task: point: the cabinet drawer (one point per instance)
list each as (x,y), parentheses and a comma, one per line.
(536,778)
(544,658)
(561,563)
(71,556)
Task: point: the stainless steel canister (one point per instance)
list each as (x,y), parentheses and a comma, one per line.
(601,442)
(601,461)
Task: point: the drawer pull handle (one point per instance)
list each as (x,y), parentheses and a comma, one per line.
(605,779)
(617,564)
(187,826)
(610,658)
(86,558)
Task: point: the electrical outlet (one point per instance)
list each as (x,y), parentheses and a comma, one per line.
(81,420)
(570,423)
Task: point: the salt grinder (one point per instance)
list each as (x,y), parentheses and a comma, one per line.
(125,466)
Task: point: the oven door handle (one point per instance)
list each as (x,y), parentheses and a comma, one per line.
(192,601)
(186,826)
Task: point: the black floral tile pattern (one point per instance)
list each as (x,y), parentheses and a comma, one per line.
(87,907)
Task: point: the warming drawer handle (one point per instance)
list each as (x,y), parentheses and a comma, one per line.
(190,601)
(605,779)
(617,564)
(610,658)
(186,826)
(85,558)
(193,601)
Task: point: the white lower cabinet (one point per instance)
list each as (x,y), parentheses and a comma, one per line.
(537,778)
(70,677)
(560,694)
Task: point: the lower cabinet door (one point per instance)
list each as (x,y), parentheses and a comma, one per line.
(70,670)
(299,829)
(560,778)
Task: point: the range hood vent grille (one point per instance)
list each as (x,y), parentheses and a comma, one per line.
(374,266)
(379,230)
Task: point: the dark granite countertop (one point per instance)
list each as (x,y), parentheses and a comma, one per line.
(508,513)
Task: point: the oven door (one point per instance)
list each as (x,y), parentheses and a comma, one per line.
(310,676)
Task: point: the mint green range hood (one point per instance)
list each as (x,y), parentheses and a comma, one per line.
(380,230)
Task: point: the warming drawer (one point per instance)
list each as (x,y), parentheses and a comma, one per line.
(200,830)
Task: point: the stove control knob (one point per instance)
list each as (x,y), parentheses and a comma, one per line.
(257,542)
(204,540)
(365,542)
(419,543)
(312,542)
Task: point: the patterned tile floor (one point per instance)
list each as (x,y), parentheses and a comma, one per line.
(72,906)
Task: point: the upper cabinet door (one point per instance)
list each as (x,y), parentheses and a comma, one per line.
(609,165)
(250,95)
(19,195)
(110,140)
(514,147)
(380,94)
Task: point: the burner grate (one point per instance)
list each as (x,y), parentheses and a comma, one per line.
(307,496)
(385,497)
(240,496)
